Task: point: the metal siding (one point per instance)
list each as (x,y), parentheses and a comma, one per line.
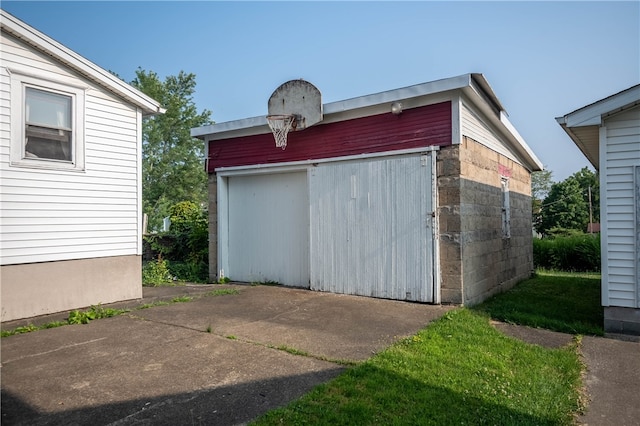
(268,226)
(417,127)
(370,231)
(620,238)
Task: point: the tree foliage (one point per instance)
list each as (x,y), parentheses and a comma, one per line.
(172,160)
(567,206)
(540,186)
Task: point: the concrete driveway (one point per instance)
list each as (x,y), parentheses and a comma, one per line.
(220,360)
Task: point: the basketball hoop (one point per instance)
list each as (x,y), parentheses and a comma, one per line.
(281,125)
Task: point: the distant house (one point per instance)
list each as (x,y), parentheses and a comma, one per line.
(608,133)
(70,177)
(421,193)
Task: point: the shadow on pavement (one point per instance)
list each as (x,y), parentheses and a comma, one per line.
(226,405)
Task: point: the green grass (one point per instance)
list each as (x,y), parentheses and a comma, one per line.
(460,370)
(559,301)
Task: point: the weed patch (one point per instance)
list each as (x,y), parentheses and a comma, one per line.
(222,292)
(94,312)
(20,330)
(151,305)
(266,282)
(75,317)
(98,311)
(156,273)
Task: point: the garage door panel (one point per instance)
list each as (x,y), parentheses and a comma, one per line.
(369,233)
(269,228)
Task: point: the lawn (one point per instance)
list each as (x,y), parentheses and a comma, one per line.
(559,301)
(460,370)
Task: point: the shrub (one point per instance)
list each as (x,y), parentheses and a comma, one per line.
(542,249)
(156,273)
(574,252)
(186,245)
(194,270)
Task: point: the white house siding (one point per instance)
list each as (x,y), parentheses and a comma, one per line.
(477,129)
(5,115)
(52,215)
(622,154)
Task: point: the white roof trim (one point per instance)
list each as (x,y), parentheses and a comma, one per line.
(88,69)
(592,115)
(474,85)
(389,96)
(522,147)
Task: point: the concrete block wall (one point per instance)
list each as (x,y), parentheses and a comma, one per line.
(476,260)
(450,224)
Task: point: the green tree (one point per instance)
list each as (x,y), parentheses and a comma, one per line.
(589,181)
(540,186)
(567,204)
(172,160)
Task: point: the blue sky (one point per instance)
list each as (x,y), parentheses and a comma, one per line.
(543,59)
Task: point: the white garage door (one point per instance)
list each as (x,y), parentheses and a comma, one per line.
(268,231)
(371,228)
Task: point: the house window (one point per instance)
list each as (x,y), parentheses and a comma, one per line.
(506,210)
(48,129)
(47,123)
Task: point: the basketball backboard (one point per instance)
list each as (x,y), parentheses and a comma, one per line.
(300,99)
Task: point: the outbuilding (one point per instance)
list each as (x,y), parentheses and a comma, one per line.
(608,133)
(421,193)
(70,178)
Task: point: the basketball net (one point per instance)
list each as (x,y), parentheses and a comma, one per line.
(280,126)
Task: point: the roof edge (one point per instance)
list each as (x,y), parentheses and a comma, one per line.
(17,28)
(408,92)
(593,113)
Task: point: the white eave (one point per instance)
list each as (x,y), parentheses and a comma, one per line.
(582,125)
(45,44)
(473,85)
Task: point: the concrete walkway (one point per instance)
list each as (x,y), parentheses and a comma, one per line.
(612,377)
(224,360)
(210,361)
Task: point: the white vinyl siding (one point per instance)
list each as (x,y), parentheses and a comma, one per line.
(5,115)
(621,156)
(49,214)
(480,131)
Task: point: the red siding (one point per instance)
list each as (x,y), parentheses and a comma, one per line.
(414,128)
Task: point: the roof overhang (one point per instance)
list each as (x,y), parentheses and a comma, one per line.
(45,44)
(473,85)
(583,125)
